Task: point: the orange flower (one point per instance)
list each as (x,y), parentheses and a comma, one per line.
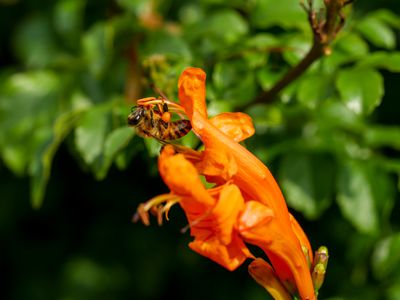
(246,204)
(211,213)
(224,159)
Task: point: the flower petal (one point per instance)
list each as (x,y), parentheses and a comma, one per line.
(238,126)
(217,164)
(182,178)
(265,276)
(254,214)
(226,211)
(229,256)
(192,91)
(214,232)
(219,220)
(301,236)
(257,226)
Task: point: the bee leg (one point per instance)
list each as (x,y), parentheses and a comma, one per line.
(153,123)
(166,115)
(160,108)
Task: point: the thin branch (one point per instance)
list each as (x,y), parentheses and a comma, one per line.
(324,30)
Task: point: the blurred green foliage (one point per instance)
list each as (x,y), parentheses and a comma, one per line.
(71,69)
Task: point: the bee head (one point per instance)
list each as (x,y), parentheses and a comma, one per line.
(136,115)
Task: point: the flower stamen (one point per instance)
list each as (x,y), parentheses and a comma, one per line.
(157,206)
(168,206)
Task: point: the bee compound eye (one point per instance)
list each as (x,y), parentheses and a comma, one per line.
(135,116)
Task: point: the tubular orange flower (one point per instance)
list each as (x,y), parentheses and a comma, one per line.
(246,204)
(224,159)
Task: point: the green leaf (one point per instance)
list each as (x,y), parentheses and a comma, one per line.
(262,41)
(231,84)
(68,16)
(115,142)
(386,257)
(284,13)
(393,291)
(97,46)
(123,158)
(170,45)
(381,136)
(90,133)
(28,107)
(135,6)
(389,165)
(226,25)
(334,114)
(352,44)
(330,64)
(355,197)
(190,140)
(383,189)
(256,49)
(41,168)
(216,107)
(296,47)
(312,89)
(307,182)
(153,146)
(361,89)
(387,16)
(267,78)
(377,32)
(385,60)
(34,42)
(265,116)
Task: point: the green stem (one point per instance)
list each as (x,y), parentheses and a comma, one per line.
(325,31)
(313,54)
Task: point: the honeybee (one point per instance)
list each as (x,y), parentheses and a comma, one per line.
(156,123)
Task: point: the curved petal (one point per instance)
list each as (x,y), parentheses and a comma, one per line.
(281,246)
(192,91)
(238,126)
(182,178)
(219,220)
(229,256)
(254,214)
(265,276)
(301,236)
(214,232)
(226,211)
(217,164)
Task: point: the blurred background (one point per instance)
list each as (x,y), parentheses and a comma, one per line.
(72,173)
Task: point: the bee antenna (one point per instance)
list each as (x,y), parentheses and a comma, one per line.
(158,91)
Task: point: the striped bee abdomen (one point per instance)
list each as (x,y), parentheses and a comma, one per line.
(177,129)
